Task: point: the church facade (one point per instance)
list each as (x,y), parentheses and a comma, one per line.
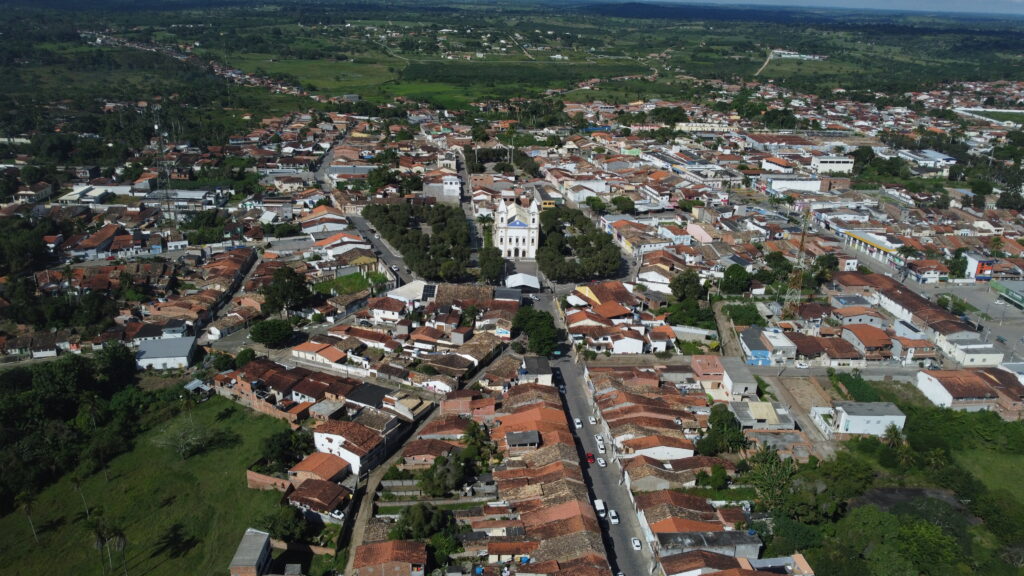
(517,230)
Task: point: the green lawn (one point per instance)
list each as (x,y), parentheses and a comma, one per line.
(179,516)
(999,471)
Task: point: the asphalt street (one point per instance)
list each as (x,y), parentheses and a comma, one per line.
(605,483)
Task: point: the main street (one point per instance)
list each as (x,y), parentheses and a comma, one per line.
(387,253)
(604,483)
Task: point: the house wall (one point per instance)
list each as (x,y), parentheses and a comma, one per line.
(332,444)
(934,391)
(873,425)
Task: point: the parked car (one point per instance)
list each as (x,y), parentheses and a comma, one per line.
(592,420)
(600,449)
(590,458)
(636,543)
(803,365)
(394,268)
(601,462)
(598,438)
(578,423)
(613,516)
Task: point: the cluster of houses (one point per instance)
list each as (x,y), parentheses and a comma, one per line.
(614,317)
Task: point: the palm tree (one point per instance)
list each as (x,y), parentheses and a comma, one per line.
(119,542)
(99,540)
(76,481)
(25,501)
(893,436)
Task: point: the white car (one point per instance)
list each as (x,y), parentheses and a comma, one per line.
(578,423)
(600,448)
(598,438)
(636,543)
(802,365)
(592,420)
(601,462)
(377,236)
(613,516)
(394,268)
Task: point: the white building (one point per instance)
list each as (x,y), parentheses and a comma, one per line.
(867,418)
(517,230)
(166,353)
(832,164)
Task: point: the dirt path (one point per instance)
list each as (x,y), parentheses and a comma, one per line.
(366,506)
(765,65)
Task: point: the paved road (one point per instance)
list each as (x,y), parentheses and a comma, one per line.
(604,483)
(390,256)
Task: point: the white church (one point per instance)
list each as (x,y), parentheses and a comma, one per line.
(517,230)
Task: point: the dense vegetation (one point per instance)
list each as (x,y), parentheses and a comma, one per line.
(441,252)
(539,327)
(67,413)
(866,512)
(573,249)
(427,522)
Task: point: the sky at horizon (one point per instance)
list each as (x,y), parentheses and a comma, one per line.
(1015,7)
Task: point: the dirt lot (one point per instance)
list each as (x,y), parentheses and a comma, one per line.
(806,392)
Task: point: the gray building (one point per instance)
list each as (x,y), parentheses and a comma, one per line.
(736,543)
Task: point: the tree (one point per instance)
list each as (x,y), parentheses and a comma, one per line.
(724,433)
(286,289)
(539,326)
(736,280)
(273,333)
(288,524)
(25,501)
(770,476)
(596,204)
(492,265)
(687,285)
(624,204)
(118,541)
(893,436)
(245,356)
(76,483)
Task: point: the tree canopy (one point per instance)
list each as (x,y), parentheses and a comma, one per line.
(273,333)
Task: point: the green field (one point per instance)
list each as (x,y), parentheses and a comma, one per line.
(178,516)
(328,76)
(1004,116)
(998,471)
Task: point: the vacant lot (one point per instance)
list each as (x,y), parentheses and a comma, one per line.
(178,516)
(999,471)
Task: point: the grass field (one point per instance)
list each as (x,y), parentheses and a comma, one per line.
(331,77)
(179,516)
(1003,116)
(997,470)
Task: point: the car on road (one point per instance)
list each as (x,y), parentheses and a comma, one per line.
(394,268)
(613,516)
(636,543)
(377,236)
(600,449)
(577,423)
(590,458)
(592,420)
(1000,339)
(803,365)
(598,438)
(601,462)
